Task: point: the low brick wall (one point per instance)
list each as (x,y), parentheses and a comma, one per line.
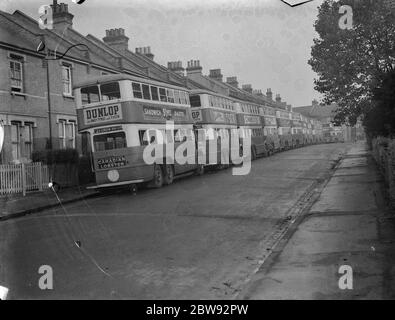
(383,151)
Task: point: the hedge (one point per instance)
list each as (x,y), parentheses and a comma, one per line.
(56,156)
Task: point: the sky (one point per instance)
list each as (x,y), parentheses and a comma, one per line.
(265,43)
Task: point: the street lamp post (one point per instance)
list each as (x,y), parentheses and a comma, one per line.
(49,103)
(46,59)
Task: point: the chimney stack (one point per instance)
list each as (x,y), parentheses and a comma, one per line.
(278,98)
(193,67)
(247,87)
(146,51)
(232,81)
(116,39)
(62,19)
(258,93)
(216,74)
(269,94)
(176,66)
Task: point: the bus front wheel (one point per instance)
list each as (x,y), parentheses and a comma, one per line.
(158,177)
(199,170)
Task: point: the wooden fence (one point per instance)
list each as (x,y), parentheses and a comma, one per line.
(21,178)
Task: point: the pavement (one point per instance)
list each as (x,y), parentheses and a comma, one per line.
(349,225)
(17,205)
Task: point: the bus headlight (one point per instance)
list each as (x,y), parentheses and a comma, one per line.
(113,175)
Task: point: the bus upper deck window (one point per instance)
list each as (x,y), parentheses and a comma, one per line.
(110,91)
(154,93)
(177,97)
(162,95)
(137,93)
(170,95)
(90,94)
(187,98)
(146,92)
(195,101)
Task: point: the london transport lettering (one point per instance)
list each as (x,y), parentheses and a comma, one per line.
(152,113)
(102,114)
(107,130)
(111,162)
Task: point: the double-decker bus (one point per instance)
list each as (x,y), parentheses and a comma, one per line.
(304,129)
(297,130)
(250,123)
(284,128)
(122,116)
(216,115)
(270,129)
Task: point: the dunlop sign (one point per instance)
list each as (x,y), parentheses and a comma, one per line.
(102,114)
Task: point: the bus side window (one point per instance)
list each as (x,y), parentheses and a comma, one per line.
(162,94)
(177,97)
(137,90)
(110,91)
(146,93)
(154,93)
(170,95)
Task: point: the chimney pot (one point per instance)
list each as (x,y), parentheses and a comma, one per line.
(216,74)
(232,81)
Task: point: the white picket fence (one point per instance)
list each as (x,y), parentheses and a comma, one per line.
(21,178)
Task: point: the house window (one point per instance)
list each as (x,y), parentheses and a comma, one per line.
(28,139)
(62,133)
(16,73)
(15,140)
(66,80)
(70,142)
(67,130)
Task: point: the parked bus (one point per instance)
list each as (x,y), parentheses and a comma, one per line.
(250,123)
(284,129)
(270,129)
(297,130)
(124,114)
(215,114)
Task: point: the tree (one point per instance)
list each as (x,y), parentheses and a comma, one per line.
(380,120)
(350,63)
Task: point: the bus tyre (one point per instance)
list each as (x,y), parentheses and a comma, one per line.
(199,170)
(157,182)
(168,174)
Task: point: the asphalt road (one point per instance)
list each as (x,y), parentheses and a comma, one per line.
(199,238)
